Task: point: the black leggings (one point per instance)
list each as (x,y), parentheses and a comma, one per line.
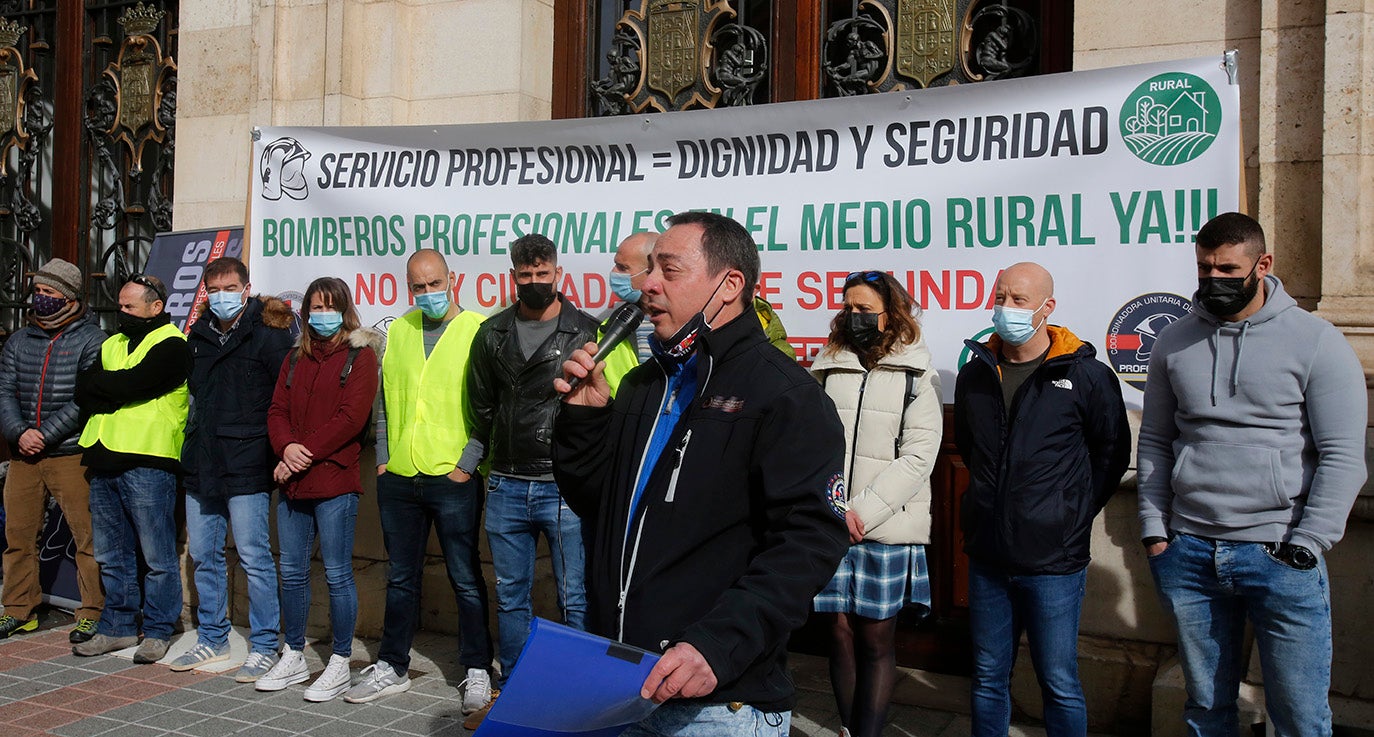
(863,670)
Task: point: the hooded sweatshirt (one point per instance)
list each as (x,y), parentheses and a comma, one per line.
(1252,430)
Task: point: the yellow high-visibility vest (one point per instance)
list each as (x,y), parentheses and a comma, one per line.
(425,399)
(155,427)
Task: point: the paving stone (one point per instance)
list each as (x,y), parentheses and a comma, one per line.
(215,705)
(180,697)
(104,664)
(132,713)
(376,714)
(255,713)
(342,728)
(171,719)
(88,727)
(212,727)
(257,730)
(133,730)
(68,676)
(298,722)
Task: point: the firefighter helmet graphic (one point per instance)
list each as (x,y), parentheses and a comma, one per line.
(282,169)
(1133,330)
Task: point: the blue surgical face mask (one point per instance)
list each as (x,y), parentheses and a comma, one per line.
(433,304)
(226,305)
(620,285)
(1015,325)
(326,323)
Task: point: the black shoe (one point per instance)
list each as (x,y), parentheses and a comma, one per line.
(13,625)
(84,630)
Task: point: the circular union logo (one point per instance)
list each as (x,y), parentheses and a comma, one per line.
(980,337)
(1132,332)
(1171,118)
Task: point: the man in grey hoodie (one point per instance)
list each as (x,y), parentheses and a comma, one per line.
(1251,456)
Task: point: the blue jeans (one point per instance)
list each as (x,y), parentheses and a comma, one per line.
(1046,608)
(207,522)
(131,512)
(409,506)
(694,719)
(299,521)
(1210,587)
(517,511)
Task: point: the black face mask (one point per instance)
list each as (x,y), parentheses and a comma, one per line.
(680,346)
(137,327)
(1224,296)
(535,295)
(863,329)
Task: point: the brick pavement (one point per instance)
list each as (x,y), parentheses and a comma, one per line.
(45,690)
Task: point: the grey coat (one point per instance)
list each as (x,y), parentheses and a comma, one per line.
(38,382)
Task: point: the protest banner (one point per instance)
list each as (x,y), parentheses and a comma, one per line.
(1101,176)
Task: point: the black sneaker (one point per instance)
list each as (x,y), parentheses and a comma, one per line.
(13,625)
(84,630)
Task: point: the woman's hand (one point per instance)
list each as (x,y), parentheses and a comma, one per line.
(282,473)
(855,525)
(297,457)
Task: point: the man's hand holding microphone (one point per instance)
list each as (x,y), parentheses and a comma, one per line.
(584,372)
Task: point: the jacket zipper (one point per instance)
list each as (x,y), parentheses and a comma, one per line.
(43,378)
(677,465)
(854,441)
(627,573)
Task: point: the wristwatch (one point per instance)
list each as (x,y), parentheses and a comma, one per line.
(1148,541)
(1296,556)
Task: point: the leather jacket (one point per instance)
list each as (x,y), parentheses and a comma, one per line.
(511,401)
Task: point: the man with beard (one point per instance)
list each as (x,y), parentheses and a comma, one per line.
(511,403)
(1251,455)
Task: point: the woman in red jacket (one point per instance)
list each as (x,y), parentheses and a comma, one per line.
(316,423)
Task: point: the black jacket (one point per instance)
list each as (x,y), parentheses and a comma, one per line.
(1036,481)
(735,531)
(38,372)
(511,401)
(227,451)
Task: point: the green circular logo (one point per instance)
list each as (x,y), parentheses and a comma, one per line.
(980,337)
(1171,119)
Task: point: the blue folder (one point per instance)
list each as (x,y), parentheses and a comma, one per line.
(569,682)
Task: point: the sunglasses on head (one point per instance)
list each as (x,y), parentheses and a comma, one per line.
(872,277)
(143,280)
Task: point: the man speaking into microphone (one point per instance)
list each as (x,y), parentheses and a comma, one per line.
(705,487)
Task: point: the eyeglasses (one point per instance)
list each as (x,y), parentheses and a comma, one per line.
(872,277)
(146,281)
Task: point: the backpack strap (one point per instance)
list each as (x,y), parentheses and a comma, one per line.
(907,399)
(343,375)
(348,365)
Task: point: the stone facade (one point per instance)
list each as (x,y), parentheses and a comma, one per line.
(1307,105)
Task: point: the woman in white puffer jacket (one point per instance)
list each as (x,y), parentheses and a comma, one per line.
(876,368)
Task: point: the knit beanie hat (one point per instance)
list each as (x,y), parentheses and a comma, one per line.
(62,276)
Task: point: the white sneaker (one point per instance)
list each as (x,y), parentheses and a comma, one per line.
(333,681)
(476,690)
(379,679)
(290,669)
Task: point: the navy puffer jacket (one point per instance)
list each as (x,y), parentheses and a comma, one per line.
(38,382)
(1041,470)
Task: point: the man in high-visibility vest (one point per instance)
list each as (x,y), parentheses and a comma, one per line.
(137,400)
(427,476)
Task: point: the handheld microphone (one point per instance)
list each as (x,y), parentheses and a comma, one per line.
(619,326)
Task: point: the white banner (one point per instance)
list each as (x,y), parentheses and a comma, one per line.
(1101,176)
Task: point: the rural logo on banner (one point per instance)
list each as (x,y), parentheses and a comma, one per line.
(1101,176)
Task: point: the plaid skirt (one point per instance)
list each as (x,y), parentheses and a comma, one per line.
(876,580)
